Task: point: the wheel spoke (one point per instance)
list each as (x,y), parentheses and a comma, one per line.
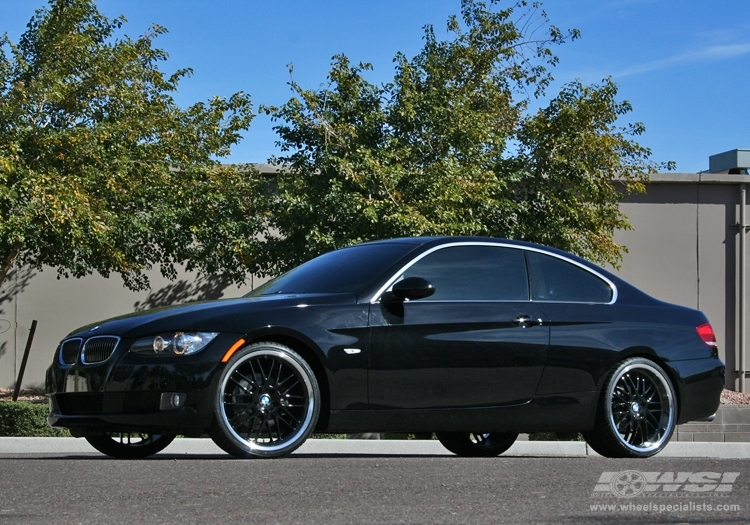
(263,375)
(649,392)
(237,382)
(630,386)
(291,426)
(240,418)
(653,422)
(270,372)
(254,372)
(285,392)
(641,382)
(295,419)
(278,427)
(287,378)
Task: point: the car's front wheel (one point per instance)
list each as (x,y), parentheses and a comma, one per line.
(477,444)
(129,445)
(637,411)
(267,402)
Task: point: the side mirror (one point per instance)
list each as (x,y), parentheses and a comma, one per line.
(413,288)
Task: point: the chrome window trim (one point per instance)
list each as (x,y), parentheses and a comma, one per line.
(390,282)
(83,348)
(62,363)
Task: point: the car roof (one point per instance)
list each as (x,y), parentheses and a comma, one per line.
(449,239)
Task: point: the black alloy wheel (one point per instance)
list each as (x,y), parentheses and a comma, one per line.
(637,411)
(129,445)
(477,444)
(267,402)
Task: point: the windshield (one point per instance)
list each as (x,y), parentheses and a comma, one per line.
(347,270)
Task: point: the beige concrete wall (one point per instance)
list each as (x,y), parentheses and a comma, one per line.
(662,247)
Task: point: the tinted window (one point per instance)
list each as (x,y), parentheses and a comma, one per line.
(553,279)
(340,271)
(479,273)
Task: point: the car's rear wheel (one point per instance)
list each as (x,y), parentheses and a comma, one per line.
(267,403)
(637,411)
(477,444)
(129,445)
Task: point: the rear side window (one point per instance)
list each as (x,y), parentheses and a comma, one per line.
(554,279)
(474,273)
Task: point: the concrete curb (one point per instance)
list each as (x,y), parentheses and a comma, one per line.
(387,447)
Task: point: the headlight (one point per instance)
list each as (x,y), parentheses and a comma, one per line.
(175,343)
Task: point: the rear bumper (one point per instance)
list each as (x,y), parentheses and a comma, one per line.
(699,385)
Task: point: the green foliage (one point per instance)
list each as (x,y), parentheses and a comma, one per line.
(25,419)
(100,170)
(451,147)
(328,436)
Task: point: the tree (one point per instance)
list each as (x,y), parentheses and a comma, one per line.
(451,146)
(100,170)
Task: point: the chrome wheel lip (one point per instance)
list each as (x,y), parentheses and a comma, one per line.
(667,399)
(252,445)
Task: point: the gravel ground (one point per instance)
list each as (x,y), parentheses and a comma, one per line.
(728,397)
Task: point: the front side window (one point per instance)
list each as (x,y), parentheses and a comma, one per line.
(556,280)
(341,271)
(474,273)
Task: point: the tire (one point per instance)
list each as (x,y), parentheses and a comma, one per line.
(475,444)
(637,411)
(267,402)
(129,445)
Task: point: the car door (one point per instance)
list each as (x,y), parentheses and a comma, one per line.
(586,328)
(478,341)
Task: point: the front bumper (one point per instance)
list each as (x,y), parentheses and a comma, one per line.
(136,411)
(128,392)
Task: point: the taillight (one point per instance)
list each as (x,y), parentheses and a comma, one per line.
(707,334)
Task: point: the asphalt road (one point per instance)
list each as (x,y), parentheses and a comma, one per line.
(333,489)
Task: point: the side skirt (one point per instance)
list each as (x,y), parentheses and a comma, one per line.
(562,412)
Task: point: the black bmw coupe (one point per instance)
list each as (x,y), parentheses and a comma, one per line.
(474,339)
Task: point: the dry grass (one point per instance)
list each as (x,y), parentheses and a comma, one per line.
(35,395)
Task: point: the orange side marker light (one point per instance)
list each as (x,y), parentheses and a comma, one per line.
(236,346)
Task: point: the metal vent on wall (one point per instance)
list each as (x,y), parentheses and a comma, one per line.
(98,349)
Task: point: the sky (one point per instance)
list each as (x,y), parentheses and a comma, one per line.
(684,65)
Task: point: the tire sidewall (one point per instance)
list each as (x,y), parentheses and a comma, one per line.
(461,444)
(108,445)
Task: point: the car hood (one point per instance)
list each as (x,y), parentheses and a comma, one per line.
(224,315)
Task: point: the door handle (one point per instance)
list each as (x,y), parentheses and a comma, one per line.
(524,321)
